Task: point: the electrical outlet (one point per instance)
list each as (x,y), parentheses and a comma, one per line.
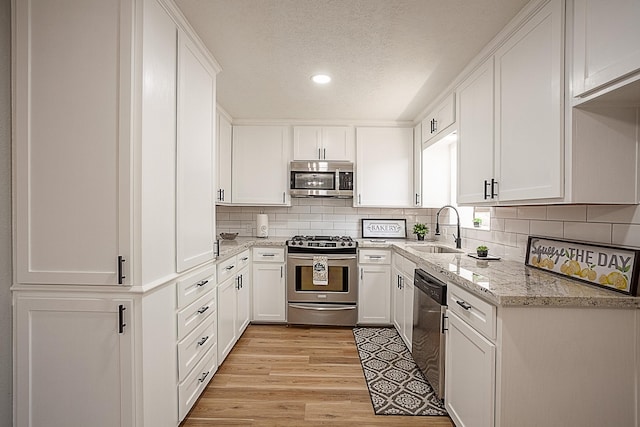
(247,228)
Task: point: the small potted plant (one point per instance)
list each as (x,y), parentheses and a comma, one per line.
(477,222)
(482,251)
(420,230)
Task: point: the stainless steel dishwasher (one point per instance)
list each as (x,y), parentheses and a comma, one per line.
(428,343)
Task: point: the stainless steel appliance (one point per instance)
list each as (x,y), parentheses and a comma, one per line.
(334,303)
(321,179)
(428,342)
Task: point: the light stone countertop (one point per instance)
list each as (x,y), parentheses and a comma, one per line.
(504,282)
(508,282)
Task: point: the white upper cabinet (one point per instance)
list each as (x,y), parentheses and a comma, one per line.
(443,116)
(528,110)
(510,130)
(323,143)
(417,165)
(195,181)
(225,132)
(384,167)
(72,140)
(606,44)
(261,156)
(475,135)
(96,160)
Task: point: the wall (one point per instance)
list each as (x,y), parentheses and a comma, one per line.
(6,376)
(312,217)
(510,226)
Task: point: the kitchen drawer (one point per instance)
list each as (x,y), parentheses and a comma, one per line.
(374,256)
(193,286)
(227,268)
(244,259)
(189,390)
(195,345)
(268,254)
(476,312)
(193,315)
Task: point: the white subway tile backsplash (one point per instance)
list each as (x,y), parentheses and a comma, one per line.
(516,226)
(322,209)
(532,212)
(497,224)
(626,235)
(547,228)
(567,213)
(310,217)
(590,232)
(333,218)
(504,212)
(616,214)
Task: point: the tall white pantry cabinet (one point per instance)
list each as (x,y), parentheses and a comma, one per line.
(114,124)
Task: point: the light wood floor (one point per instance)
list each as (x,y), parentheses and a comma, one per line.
(293,376)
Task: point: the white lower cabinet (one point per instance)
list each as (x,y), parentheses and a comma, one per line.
(402,296)
(67,347)
(269,288)
(503,364)
(470,375)
(233,301)
(374,291)
(190,389)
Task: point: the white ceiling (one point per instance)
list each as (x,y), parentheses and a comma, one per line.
(388,58)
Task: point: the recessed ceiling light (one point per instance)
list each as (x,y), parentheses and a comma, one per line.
(321,79)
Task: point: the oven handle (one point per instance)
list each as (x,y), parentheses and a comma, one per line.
(329,257)
(317,307)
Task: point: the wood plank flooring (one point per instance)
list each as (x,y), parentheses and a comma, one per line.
(293,376)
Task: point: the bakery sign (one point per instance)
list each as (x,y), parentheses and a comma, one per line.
(609,267)
(384,228)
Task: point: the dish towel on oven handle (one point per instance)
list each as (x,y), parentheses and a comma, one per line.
(320,270)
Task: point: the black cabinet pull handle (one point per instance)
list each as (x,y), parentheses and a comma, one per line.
(486,185)
(204,376)
(464,305)
(203,309)
(202,283)
(231,267)
(203,340)
(121,275)
(121,324)
(494,183)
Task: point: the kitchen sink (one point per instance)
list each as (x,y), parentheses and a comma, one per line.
(434,249)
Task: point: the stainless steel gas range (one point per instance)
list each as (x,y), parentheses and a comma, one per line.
(322,280)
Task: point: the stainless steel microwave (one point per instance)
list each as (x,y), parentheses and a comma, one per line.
(321,179)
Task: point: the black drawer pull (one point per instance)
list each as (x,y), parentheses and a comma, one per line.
(202,283)
(464,305)
(203,340)
(203,309)
(204,376)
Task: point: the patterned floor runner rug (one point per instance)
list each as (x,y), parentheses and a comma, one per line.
(396,385)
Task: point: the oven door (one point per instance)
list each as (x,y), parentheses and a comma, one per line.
(342,286)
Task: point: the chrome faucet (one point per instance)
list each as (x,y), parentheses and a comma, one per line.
(457,237)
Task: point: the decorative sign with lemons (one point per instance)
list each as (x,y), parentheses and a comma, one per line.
(605,266)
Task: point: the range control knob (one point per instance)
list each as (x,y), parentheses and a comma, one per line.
(350,243)
(342,244)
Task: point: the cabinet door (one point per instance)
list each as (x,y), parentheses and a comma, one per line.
(445,114)
(227,301)
(243,309)
(195,158)
(475,134)
(269,293)
(374,295)
(605,42)
(260,163)
(307,143)
(72,140)
(407,318)
(73,365)
(470,378)
(385,167)
(338,143)
(397,298)
(529,135)
(224,160)
(417,166)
